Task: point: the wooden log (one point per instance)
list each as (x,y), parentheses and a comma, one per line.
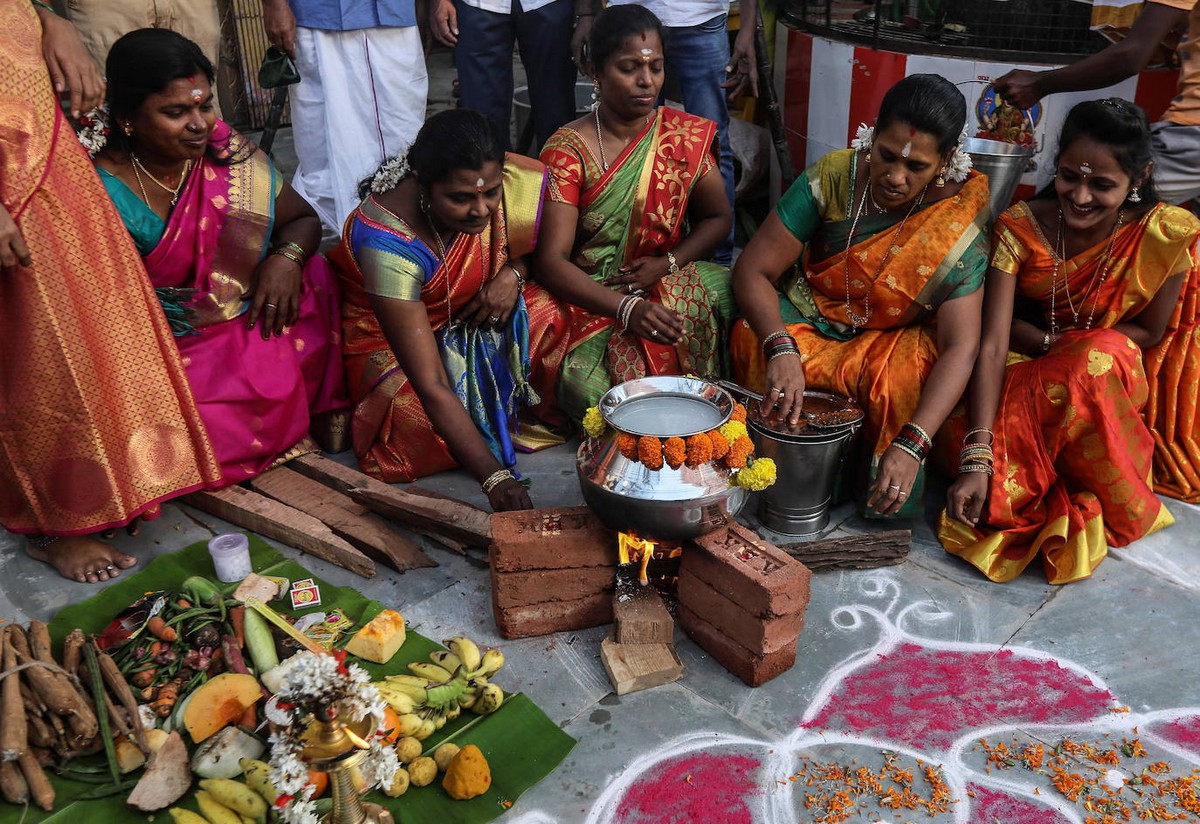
(633,667)
(641,617)
(417,509)
(375,536)
(258,513)
(855,551)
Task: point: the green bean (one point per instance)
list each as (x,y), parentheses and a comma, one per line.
(109,789)
(98,694)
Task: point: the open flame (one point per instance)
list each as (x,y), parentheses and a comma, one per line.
(634,550)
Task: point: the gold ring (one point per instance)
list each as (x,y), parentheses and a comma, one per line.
(654,332)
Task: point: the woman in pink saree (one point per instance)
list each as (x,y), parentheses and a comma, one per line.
(229,248)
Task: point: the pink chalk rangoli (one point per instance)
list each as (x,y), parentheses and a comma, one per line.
(894,734)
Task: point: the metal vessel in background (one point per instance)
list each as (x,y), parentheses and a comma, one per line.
(1004,164)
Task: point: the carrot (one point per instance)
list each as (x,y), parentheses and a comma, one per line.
(159,629)
(14,738)
(237,619)
(35,778)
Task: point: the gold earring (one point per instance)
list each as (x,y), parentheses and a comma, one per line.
(941,178)
(128,130)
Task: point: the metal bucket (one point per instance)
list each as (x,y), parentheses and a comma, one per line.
(808,463)
(1003,163)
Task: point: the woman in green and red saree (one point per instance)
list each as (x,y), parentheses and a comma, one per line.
(451,349)
(865,282)
(231,250)
(636,204)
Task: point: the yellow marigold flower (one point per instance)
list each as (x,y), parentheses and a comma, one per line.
(674,452)
(650,452)
(593,423)
(757,476)
(733,430)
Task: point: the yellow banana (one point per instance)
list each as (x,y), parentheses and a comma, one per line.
(491,661)
(408,680)
(408,724)
(414,692)
(236,796)
(468,697)
(445,659)
(398,700)
(215,811)
(186,816)
(431,671)
(258,778)
(466,650)
(489,700)
(428,727)
(453,711)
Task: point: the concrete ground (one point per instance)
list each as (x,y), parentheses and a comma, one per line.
(909,665)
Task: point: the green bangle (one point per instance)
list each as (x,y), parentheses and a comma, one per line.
(45,6)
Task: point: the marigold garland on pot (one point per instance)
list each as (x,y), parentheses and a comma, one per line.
(674,452)
(699,450)
(628,445)
(650,452)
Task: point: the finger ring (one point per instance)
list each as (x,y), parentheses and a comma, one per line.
(271,305)
(494,319)
(893,486)
(780,392)
(901,494)
(654,332)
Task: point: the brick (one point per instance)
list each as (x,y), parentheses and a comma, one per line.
(759,635)
(754,670)
(747,570)
(536,586)
(523,540)
(554,616)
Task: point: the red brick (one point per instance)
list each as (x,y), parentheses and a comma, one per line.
(753,669)
(759,635)
(747,570)
(515,589)
(521,541)
(554,616)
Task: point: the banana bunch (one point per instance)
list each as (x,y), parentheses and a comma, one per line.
(455,679)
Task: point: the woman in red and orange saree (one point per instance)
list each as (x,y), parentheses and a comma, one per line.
(1096,408)
(451,350)
(865,282)
(626,243)
(228,246)
(97,423)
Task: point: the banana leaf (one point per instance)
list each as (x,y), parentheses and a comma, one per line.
(521,744)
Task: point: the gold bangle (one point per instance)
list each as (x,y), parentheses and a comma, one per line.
(520,280)
(495,479)
(288,254)
(672,265)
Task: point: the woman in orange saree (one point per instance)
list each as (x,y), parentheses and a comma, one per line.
(1097,403)
(865,282)
(625,243)
(97,423)
(446,339)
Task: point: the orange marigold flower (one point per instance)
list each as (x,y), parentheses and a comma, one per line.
(650,452)
(739,413)
(699,449)
(675,451)
(738,452)
(628,445)
(720,444)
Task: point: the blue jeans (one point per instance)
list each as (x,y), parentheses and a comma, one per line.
(697,56)
(483,58)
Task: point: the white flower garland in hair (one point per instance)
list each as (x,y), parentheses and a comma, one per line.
(313,683)
(959,164)
(93,129)
(863,138)
(390,173)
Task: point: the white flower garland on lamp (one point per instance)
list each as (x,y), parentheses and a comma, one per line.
(957,166)
(313,681)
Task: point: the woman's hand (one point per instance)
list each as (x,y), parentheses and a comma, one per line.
(893,482)
(640,273)
(655,322)
(13,251)
(71,67)
(967,496)
(783,392)
(495,302)
(509,495)
(276,295)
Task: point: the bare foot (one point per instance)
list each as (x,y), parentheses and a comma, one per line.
(82,558)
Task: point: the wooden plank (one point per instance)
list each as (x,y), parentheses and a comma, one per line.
(258,513)
(633,667)
(641,617)
(424,512)
(376,537)
(853,551)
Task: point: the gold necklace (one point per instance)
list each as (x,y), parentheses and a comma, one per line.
(437,238)
(1093,289)
(600,136)
(139,167)
(858,321)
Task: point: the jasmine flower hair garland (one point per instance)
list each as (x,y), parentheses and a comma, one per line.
(956,168)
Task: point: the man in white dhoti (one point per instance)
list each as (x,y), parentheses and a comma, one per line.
(361,95)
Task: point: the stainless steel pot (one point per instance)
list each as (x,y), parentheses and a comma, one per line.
(665,504)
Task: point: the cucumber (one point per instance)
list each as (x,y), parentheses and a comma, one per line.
(259,642)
